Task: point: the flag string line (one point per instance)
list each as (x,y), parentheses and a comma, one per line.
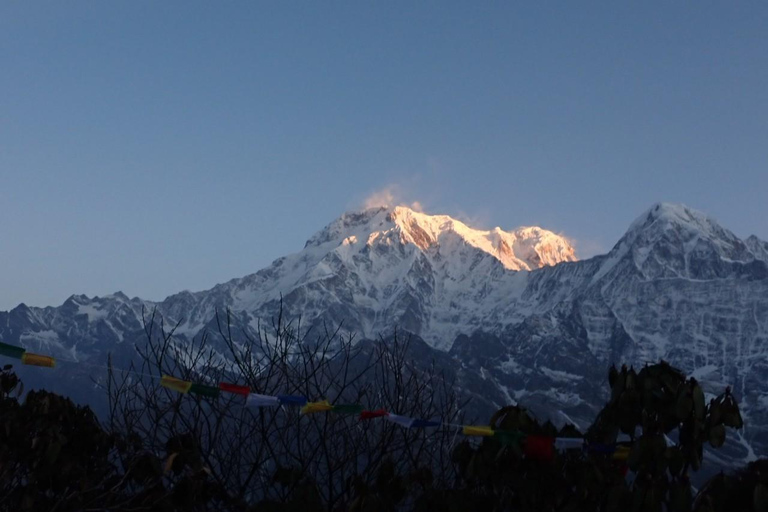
(308,407)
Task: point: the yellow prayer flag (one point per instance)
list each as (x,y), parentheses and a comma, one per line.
(169,463)
(316,407)
(175,384)
(38,360)
(469,430)
(622,453)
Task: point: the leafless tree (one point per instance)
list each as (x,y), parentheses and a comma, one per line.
(265,454)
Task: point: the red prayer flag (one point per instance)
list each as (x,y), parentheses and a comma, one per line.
(234,388)
(369,415)
(540,447)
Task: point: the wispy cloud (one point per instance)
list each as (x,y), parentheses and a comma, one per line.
(391,195)
(383,197)
(586,248)
(480,219)
(417,206)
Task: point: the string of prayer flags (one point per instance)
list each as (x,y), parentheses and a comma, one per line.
(475,430)
(369,415)
(313,407)
(348,409)
(181,386)
(38,360)
(11,351)
(534,447)
(203,390)
(539,447)
(256,400)
(234,388)
(292,400)
(569,443)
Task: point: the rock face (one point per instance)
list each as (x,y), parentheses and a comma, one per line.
(511,313)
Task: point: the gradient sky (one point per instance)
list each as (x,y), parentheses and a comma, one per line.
(152,147)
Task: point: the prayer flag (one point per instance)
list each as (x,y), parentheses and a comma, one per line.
(403,421)
(472,430)
(209,391)
(37,360)
(539,447)
(601,448)
(569,443)
(256,400)
(621,452)
(424,423)
(175,384)
(312,407)
(348,409)
(369,415)
(291,400)
(11,351)
(234,388)
(509,437)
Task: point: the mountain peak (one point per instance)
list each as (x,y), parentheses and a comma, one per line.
(672,221)
(673,240)
(524,248)
(663,214)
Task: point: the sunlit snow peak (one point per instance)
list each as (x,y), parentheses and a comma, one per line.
(524,248)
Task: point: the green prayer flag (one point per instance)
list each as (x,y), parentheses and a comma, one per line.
(348,409)
(11,351)
(509,437)
(209,391)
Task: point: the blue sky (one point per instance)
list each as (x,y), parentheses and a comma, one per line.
(152,147)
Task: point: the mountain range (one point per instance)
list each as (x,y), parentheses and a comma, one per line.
(513,315)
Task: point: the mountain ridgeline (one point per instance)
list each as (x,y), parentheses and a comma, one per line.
(511,314)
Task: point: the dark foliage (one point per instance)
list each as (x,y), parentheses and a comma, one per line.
(56,456)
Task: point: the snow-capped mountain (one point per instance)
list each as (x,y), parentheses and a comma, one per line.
(384,268)
(511,313)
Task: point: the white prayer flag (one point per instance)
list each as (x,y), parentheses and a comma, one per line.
(256,400)
(569,443)
(403,421)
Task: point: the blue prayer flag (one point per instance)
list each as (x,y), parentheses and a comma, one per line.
(292,400)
